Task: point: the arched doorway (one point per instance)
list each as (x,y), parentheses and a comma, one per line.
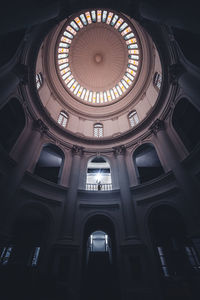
(99,260)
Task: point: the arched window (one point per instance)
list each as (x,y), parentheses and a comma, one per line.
(98,175)
(185,121)
(49,165)
(12,122)
(39,80)
(157,80)
(62,119)
(147,163)
(133,118)
(98,130)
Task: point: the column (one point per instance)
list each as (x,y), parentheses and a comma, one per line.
(13,180)
(71,199)
(128,209)
(171,158)
(10,80)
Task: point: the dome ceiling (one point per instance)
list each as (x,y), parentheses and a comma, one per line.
(98,67)
(98,56)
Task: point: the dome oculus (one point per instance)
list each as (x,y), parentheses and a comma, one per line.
(109,64)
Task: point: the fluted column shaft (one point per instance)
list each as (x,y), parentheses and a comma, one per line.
(171,158)
(13,179)
(71,200)
(126,199)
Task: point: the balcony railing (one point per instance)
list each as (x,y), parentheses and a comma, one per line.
(99,187)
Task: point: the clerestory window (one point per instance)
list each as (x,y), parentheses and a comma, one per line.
(62,119)
(98,130)
(39,80)
(133,118)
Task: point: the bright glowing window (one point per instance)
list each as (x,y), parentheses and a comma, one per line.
(157,80)
(133,118)
(39,80)
(98,130)
(62,119)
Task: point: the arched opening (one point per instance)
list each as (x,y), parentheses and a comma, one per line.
(12,122)
(50,163)
(147,163)
(98,175)
(185,121)
(177,256)
(21,257)
(100,274)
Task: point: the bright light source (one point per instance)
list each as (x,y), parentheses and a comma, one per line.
(98,177)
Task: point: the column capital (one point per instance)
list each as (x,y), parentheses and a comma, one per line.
(39,125)
(157,126)
(119,150)
(77,150)
(175,71)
